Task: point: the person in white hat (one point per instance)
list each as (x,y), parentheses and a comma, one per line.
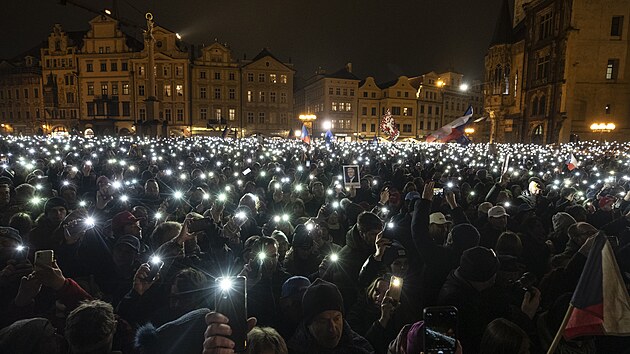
(497,224)
(439,227)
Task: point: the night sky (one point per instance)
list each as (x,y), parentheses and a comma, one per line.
(382,38)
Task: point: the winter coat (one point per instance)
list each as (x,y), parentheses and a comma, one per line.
(303,342)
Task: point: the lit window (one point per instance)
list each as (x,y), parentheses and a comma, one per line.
(232,113)
(167,91)
(180,90)
(272,78)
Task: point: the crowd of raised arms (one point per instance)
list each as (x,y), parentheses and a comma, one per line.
(117,244)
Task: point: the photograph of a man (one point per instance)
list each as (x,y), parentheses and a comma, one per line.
(351,176)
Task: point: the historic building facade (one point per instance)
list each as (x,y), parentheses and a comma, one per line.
(556,68)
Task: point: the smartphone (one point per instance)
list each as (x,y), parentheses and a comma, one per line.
(199,224)
(231,301)
(438,191)
(155,265)
(240,219)
(44,258)
(440,330)
(308,163)
(21,253)
(395,287)
(247,171)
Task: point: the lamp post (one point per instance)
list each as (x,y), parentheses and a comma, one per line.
(602,128)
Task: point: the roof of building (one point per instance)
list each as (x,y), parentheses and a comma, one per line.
(265,52)
(503,28)
(342,73)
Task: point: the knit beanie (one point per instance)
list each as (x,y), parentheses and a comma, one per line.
(55,202)
(319,297)
(478,264)
(562,220)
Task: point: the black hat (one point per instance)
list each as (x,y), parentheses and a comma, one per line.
(55,202)
(319,297)
(10,233)
(394,251)
(301,237)
(478,264)
(465,236)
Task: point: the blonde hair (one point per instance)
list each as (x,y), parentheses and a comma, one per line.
(262,339)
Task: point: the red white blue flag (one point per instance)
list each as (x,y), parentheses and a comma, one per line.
(453,130)
(601,303)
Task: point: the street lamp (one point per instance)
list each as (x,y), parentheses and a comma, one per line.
(464,87)
(602,128)
(326,125)
(469,130)
(297,133)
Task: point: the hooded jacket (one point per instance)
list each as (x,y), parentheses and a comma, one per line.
(303,342)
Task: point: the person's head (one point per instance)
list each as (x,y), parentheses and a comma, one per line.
(249,200)
(69,193)
(369,225)
(55,210)
(438,227)
(498,218)
(124,252)
(90,328)
(568,193)
(482,210)
(561,221)
(463,237)
(395,257)
(125,223)
(151,189)
(164,232)
(33,335)
(606,203)
(479,267)
(283,244)
(535,187)
(291,298)
(509,244)
(350,172)
(376,290)
(297,208)
(21,222)
(504,337)
(302,245)
(580,232)
(5,194)
(187,290)
(24,193)
(318,190)
(323,313)
(10,239)
(265,340)
(269,247)
(578,212)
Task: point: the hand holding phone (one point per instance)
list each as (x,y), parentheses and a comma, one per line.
(231,301)
(440,330)
(395,288)
(44,259)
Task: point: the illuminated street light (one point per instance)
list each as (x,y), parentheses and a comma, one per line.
(440,83)
(463,87)
(469,130)
(307,117)
(179,36)
(602,127)
(327,125)
(108,12)
(297,133)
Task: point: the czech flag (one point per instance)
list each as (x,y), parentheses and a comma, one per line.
(305,137)
(454,130)
(601,305)
(572,162)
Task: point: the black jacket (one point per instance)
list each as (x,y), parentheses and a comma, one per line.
(303,342)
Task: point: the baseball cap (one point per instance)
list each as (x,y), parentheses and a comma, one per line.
(484,207)
(438,218)
(123,219)
(497,212)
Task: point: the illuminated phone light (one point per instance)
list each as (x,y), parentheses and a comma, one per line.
(124,198)
(206,196)
(396,282)
(390,225)
(116,184)
(178,195)
(156,260)
(276,218)
(82,203)
(158,215)
(310,226)
(334,257)
(228,188)
(20,248)
(226,284)
(335,205)
(261,256)
(222,197)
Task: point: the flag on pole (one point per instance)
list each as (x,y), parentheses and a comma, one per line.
(572,162)
(453,130)
(225,132)
(305,137)
(328,137)
(601,305)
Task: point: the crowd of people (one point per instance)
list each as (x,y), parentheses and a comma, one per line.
(141,229)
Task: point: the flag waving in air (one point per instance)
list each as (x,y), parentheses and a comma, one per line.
(601,305)
(305,137)
(453,130)
(572,162)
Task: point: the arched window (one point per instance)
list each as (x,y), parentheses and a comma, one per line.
(539,130)
(542,106)
(506,80)
(498,78)
(534,109)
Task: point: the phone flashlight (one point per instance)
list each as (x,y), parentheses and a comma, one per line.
(178,195)
(276,218)
(90,222)
(20,248)
(310,226)
(124,198)
(334,257)
(335,205)
(226,284)
(261,256)
(285,217)
(390,225)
